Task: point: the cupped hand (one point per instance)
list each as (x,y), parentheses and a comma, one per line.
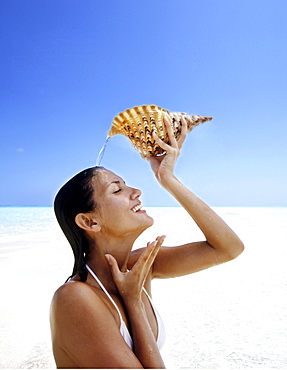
(163,166)
(130,283)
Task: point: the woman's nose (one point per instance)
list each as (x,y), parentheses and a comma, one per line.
(136,193)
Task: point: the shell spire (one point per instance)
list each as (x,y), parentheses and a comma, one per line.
(138,123)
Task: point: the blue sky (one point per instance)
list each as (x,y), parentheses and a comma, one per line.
(68,67)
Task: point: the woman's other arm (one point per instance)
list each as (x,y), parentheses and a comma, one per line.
(130,285)
(84,332)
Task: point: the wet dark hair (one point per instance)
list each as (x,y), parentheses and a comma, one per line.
(75,197)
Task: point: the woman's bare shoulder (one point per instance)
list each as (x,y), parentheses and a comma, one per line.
(84,329)
(75,293)
(77,303)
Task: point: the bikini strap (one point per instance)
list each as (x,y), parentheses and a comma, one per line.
(104,289)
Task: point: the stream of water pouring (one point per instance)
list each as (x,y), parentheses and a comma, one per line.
(102,152)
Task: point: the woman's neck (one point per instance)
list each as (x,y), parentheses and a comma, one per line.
(97,261)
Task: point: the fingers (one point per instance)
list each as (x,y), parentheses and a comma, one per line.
(159,240)
(158,243)
(169,129)
(172,139)
(176,143)
(183,132)
(113,265)
(148,256)
(160,142)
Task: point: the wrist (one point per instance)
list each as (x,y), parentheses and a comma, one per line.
(133,304)
(168,181)
(135,309)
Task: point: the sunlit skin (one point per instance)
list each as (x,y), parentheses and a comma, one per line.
(115,203)
(117,225)
(85,325)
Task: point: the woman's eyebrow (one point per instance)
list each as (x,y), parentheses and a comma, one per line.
(118,182)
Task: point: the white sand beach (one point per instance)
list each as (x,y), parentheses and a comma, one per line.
(230,316)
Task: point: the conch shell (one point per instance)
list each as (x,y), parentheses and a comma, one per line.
(138,123)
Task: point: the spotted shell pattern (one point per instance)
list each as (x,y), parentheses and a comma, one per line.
(138,123)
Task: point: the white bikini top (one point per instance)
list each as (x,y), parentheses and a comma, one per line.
(161,334)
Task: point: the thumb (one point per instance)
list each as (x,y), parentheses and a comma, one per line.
(113,264)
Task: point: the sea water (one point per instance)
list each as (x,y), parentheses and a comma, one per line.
(229,316)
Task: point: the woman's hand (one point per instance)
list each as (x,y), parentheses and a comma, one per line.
(130,286)
(163,166)
(130,283)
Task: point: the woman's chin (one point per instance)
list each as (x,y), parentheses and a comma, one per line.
(151,220)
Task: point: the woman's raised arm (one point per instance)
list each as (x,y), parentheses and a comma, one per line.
(221,244)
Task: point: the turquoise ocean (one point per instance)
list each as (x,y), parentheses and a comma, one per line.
(230,316)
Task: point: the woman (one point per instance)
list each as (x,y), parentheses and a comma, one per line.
(103,316)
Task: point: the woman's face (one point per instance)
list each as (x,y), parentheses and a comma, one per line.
(118,206)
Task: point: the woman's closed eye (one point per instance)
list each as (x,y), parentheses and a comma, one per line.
(117,191)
